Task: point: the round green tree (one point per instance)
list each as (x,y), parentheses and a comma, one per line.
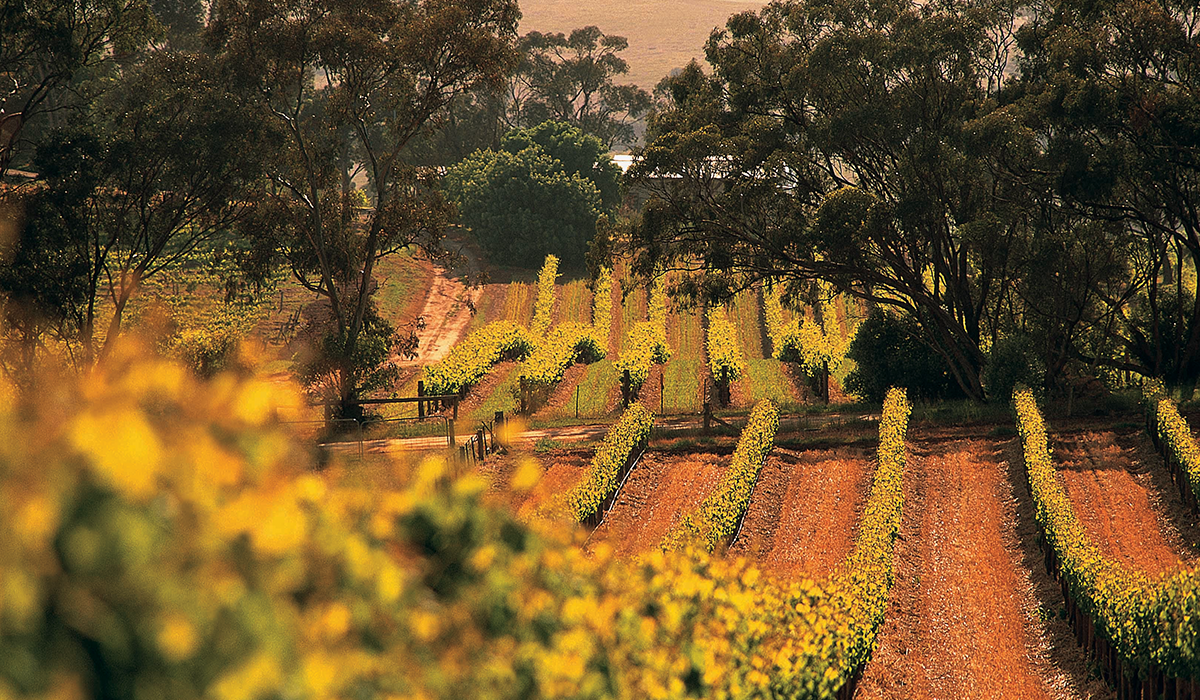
(522,206)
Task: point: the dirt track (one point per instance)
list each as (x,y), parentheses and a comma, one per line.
(972,613)
(804,509)
(447,312)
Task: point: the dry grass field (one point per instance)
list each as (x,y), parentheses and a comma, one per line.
(663,34)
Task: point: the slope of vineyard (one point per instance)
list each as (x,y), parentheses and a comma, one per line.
(964,620)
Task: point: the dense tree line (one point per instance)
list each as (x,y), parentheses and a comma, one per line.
(1000,175)
(1014,183)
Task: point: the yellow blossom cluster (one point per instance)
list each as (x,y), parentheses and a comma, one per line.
(715,522)
(725,356)
(646,343)
(1151,622)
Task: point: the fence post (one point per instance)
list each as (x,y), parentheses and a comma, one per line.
(420,403)
(707,417)
(450,429)
(662,393)
(524,396)
(479,443)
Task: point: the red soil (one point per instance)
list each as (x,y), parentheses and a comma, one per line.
(963,618)
(560,472)
(804,509)
(661,489)
(1112,491)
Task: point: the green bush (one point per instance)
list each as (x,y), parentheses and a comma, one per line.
(889,352)
(523,206)
(1013,362)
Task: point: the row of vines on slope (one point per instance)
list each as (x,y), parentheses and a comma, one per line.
(815,346)
(609,464)
(570,342)
(646,343)
(1151,624)
(715,522)
(1174,439)
(547,354)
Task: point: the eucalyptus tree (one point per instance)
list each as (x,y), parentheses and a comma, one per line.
(51,54)
(860,143)
(1113,90)
(162,164)
(572,78)
(365,78)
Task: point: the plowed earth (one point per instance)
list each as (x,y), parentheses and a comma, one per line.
(661,489)
(804,510)
(972,612)
(1121,491)
(560,472)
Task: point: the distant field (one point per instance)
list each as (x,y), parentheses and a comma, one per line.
(663,34)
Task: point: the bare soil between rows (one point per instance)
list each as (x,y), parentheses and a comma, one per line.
(973,613)
(804,510)
(1123,494)
(661,489)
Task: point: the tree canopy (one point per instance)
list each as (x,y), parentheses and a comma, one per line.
(523,203)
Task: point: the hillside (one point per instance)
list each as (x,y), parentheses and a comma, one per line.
(663,34)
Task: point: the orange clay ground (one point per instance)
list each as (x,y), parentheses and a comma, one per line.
(973,613)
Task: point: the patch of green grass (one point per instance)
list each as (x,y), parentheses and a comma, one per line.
(682,392)
(504,397)
(544,445)
(594,389)
(768,381)
(401,284)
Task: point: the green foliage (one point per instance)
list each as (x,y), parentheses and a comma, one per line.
(571,78)
(715,522)
(473,357)
(1013,361)
(337,369)
(579,153)
(888,353)
(522,207)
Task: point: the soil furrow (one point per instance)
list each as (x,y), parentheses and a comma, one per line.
(802,514)
(661,489)
(1109,480)
(967,617)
